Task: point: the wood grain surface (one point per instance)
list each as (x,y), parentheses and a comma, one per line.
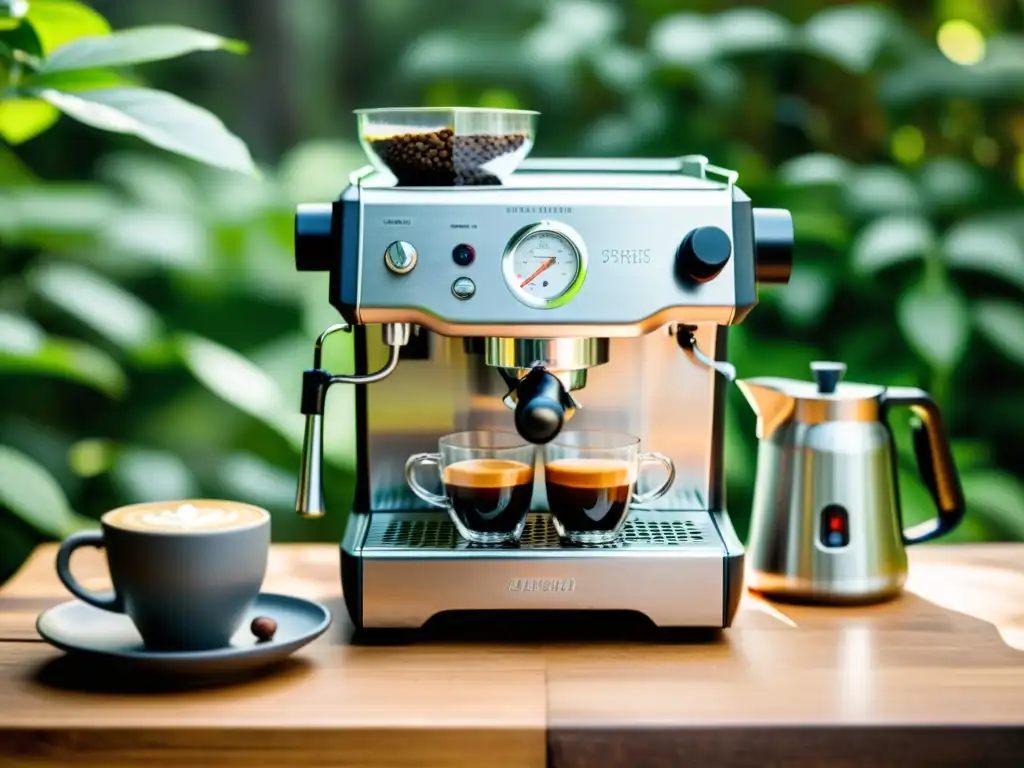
(332,704)
(934,678)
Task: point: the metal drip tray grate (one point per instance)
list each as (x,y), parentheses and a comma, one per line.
(644,530)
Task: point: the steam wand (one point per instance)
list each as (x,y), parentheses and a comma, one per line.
(309,499)
(688,343)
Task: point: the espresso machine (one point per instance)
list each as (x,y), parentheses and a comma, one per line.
(649,263)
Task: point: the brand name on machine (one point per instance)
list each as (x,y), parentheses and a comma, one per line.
(539,209)
(626,256)
(542,585)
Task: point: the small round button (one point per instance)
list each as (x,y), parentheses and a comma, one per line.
(400,257)
(703,254)
(463,254)
(463,288)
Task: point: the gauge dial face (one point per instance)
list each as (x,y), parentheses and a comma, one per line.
(544,266)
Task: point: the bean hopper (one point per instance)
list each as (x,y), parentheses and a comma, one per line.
(658,257)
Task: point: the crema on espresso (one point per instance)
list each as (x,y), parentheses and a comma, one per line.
(185,517)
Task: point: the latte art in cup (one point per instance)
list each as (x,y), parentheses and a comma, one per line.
(184,517)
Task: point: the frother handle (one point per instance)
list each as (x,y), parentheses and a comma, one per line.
(109,601)
(934,462)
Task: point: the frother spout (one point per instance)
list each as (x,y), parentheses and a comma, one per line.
(771,404)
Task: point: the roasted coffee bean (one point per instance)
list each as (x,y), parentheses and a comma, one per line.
(263,627)
(440,158)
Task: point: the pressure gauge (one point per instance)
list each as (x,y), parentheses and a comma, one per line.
(545,264)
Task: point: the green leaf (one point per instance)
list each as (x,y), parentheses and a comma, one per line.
(811,226)
(815,169)
(1002,323)
(100,304)
(880,189)
(891,240)
(998,497)
(852,36)
(234,379)
(14,173)
(247,476)
(57,22)
(26,349)
(162,119)
(683,39)
(12,12)
(29,491)
(144,474)
(135,46)
(935,323)
(158,182)
(807,296)
(310,171)
(751,30)
(24,40)
(55,208)
(91,457)
(78,80)
(949,183)
(988,247)
(23,119)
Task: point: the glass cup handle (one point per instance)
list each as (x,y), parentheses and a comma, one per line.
(661,490)
(421,460)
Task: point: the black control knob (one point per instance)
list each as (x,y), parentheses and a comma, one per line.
(773,245)
(539,410)
(703,254)
(317,248)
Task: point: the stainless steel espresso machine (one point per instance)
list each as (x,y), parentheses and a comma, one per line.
(654,259)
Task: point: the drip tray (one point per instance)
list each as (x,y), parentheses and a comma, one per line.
(644,530)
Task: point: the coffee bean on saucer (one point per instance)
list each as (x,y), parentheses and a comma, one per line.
(263,627)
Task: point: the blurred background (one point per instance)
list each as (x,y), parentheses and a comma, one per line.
(153,328)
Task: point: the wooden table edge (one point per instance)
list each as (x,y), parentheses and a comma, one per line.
(786,744)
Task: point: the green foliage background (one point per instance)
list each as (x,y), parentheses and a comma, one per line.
(152,326)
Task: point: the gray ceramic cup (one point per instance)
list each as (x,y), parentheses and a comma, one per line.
(185,572)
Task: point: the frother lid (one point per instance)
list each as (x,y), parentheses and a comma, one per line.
(828,385)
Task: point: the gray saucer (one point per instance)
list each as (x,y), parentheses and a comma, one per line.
(80,629)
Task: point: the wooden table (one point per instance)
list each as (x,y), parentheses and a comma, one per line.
(936,678)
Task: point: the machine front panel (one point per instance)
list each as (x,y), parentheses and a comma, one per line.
(629,241)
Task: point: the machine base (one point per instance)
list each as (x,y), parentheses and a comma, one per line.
(679,569)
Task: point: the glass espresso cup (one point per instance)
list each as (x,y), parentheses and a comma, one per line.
(487,479)
(590,477)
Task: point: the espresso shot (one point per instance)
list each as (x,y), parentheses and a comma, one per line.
(487,479)
(589,496)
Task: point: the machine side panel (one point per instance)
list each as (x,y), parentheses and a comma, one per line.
(345,277)
(743,245)
(732,573)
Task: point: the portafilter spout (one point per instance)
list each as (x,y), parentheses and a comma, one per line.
(541,374)
(309,498)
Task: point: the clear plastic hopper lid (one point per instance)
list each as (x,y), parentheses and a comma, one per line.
(447,146)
